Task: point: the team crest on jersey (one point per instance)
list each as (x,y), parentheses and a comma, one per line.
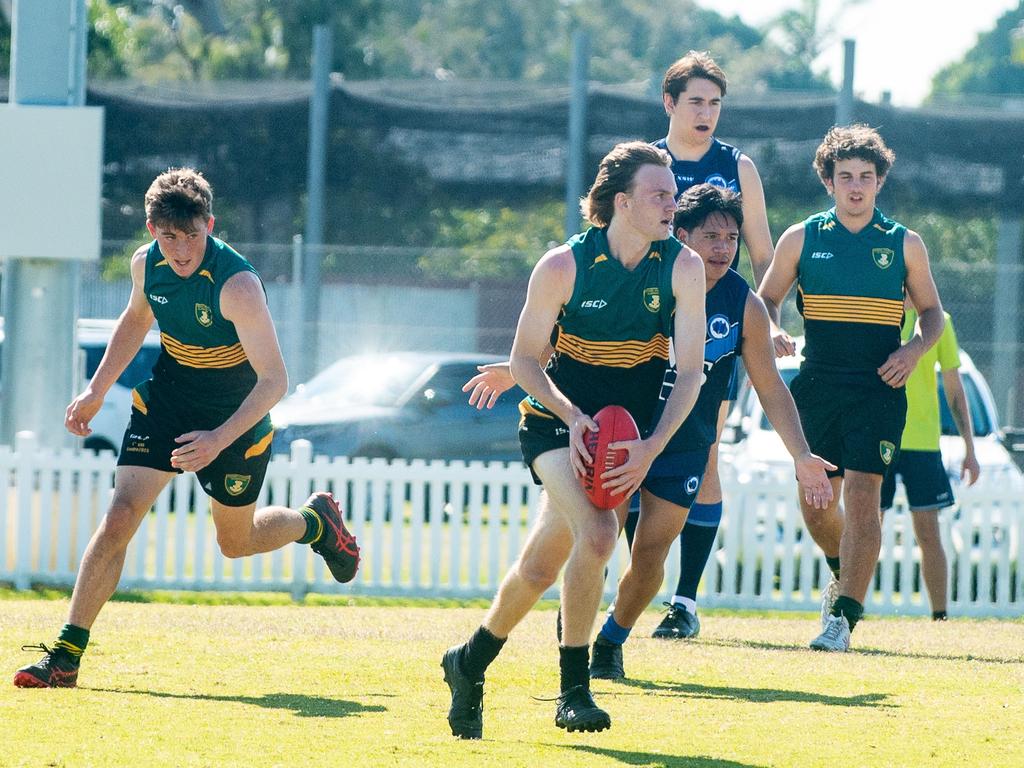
(652,299)
(204,315)
(718,326)
(883,257)
(886,450)
(236,484)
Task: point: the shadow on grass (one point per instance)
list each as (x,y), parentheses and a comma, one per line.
(868,652)
(758,695)
(658,761)
(299,704)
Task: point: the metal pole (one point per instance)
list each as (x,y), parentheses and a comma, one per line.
(576,151)
(1005,324)
(40,296)
(844,101)
(319,103)
(295,313)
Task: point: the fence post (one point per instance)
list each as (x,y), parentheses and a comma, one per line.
(301,461)
(25,446)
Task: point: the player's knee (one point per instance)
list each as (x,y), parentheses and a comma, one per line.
(647,565)
(233,548)
(598,538)
(119,525)
(538,576)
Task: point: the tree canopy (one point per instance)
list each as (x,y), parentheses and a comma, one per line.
(527,40)
(993,67)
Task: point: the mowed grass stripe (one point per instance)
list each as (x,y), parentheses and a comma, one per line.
(359,685)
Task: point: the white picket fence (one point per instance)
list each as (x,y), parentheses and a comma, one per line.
(452,530)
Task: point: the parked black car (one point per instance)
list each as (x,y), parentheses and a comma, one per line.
(407,405)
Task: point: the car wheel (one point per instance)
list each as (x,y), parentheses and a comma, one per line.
(98,444)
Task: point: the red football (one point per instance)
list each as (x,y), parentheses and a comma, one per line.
(614,425)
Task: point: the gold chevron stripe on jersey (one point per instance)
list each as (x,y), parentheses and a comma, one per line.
(852,309)
(203,357)
(613,354)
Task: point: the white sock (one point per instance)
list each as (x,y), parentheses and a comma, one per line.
(687,603)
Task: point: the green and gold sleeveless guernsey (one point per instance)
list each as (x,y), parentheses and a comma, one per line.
(611,339)
(201,357)
(850,293)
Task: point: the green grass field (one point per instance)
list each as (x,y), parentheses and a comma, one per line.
(358,683)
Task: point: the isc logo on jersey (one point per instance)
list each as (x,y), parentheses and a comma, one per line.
(594,304)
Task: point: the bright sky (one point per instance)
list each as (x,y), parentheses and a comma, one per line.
(901,44)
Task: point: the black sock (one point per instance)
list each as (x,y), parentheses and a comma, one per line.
(833,565)
(850,608)
(574,666)
(631,520)
(72,639)
(478,652)
(939,616)
(695,543)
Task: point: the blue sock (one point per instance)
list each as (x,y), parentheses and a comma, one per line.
(613,633)
(695,543)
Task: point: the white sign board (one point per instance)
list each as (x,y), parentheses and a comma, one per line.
(51,162)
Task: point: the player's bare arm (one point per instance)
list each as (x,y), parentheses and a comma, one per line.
(782,273)
(243,302)
(759,360)
(755,232)
(493,380)
(930,319)
(549,289)
(688,341)
(956,398)
(125,342)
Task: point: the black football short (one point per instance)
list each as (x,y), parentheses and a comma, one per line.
(234,478)
(539,433)
(925,478)
(854,424)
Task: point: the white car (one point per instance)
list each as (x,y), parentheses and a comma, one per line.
(751,444)
(109,424)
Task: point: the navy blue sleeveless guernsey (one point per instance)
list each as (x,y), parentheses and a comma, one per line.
(724,306)
(718,166)
(611,338)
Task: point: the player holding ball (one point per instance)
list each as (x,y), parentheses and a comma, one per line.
(610,294)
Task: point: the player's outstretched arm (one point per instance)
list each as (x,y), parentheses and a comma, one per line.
(756,234)
(759,360)
(782,273)
(243,302)
(956,398)
(493,380)
(550,288)
(488,385)
(126,340)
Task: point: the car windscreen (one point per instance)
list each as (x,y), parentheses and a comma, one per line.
(378,380)
(138,370)
(979,414)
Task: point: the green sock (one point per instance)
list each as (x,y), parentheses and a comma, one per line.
(73,640)
(314,526)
